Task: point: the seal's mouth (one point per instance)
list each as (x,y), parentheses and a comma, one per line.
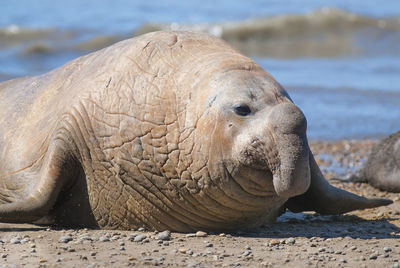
(255,181)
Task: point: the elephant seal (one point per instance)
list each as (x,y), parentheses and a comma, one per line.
(382,169)
(169,130)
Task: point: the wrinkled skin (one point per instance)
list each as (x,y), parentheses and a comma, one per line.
(383,166)
(170,130)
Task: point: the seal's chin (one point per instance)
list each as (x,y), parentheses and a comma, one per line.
(292,182)
(256,181)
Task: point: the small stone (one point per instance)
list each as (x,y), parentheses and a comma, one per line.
(115,238)
(15,241)
(374,256)
(104,239)
(246,253)
(33,250)
(83,238)
(93,253)
(387,249)
(201,234)
(140,238)
(194,264)
(165,243)
(247,247)
(165,236)
(141,229)
(291,241)
(274,242)
(71,250)
(4,256)
(25,240)
(132,236)
(122,248)
(191,235)
(182,250)
(209,245)
(65,239)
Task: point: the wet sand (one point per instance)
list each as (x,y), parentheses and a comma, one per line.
(369,238)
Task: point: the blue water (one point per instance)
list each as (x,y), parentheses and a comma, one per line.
(340,61)
(125,15)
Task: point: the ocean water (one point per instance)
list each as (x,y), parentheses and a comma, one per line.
(338,59)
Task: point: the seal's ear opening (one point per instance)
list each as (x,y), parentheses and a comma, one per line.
(327,199)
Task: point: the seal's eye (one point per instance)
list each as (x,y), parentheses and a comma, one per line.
(242,109)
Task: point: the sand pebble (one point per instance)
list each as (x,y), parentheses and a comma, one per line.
(15,241)
(166,235)
(190,235)
(85,237)
(65,239)
(387,249)
(201,234)
(182,250)
(132,236)
(246,253)
(209,245)
(374,256)
(274,242)
(140,238)
(104,239)
(291,241)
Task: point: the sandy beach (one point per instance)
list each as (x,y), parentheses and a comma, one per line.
(369,238)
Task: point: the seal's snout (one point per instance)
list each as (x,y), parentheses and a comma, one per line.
(287,118)
(289,124)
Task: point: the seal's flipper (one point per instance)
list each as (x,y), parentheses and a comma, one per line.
(327,199)
(54,174)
